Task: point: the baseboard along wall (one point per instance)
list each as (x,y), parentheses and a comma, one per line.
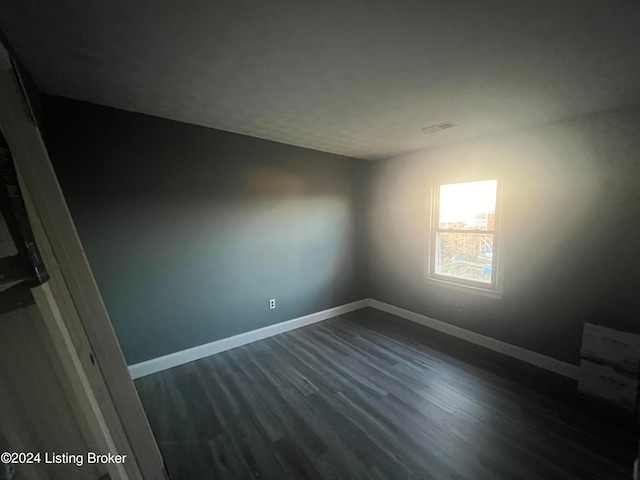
(537,359)
(185,356)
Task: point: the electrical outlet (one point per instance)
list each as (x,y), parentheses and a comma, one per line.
(272,304)
(459,306)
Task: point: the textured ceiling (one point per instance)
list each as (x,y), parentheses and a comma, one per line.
(357,77)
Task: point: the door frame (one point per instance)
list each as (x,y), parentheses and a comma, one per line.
(73,290)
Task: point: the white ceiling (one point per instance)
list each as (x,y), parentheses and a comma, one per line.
(356,77)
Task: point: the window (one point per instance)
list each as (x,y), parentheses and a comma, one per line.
(465,236)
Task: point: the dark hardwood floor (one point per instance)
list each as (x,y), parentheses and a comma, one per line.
(360,396)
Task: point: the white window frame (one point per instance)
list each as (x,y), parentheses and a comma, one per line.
(495,288)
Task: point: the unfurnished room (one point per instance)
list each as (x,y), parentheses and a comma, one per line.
(319,239)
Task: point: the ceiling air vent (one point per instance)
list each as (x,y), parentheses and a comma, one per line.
(438,127)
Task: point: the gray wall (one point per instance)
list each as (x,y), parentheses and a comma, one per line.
(190,231)
(571,225)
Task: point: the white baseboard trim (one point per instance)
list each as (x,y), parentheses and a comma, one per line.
(185,356)
(165,362)
(548,363)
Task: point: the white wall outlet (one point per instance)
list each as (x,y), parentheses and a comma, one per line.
(459,306)
(272,304)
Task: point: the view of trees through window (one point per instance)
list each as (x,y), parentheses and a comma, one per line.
(465,229)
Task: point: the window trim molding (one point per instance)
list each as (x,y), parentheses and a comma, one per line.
(485,292)
(496,288)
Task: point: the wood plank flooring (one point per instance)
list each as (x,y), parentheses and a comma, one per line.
(365,397)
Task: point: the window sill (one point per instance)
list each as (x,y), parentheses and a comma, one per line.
(485,292)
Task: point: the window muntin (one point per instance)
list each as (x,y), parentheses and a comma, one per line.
(465,234)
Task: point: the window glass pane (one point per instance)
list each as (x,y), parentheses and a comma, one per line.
(469,206)
(464,255)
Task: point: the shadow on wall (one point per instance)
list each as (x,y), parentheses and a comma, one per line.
(314,220)
(190,231)
(200,268)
